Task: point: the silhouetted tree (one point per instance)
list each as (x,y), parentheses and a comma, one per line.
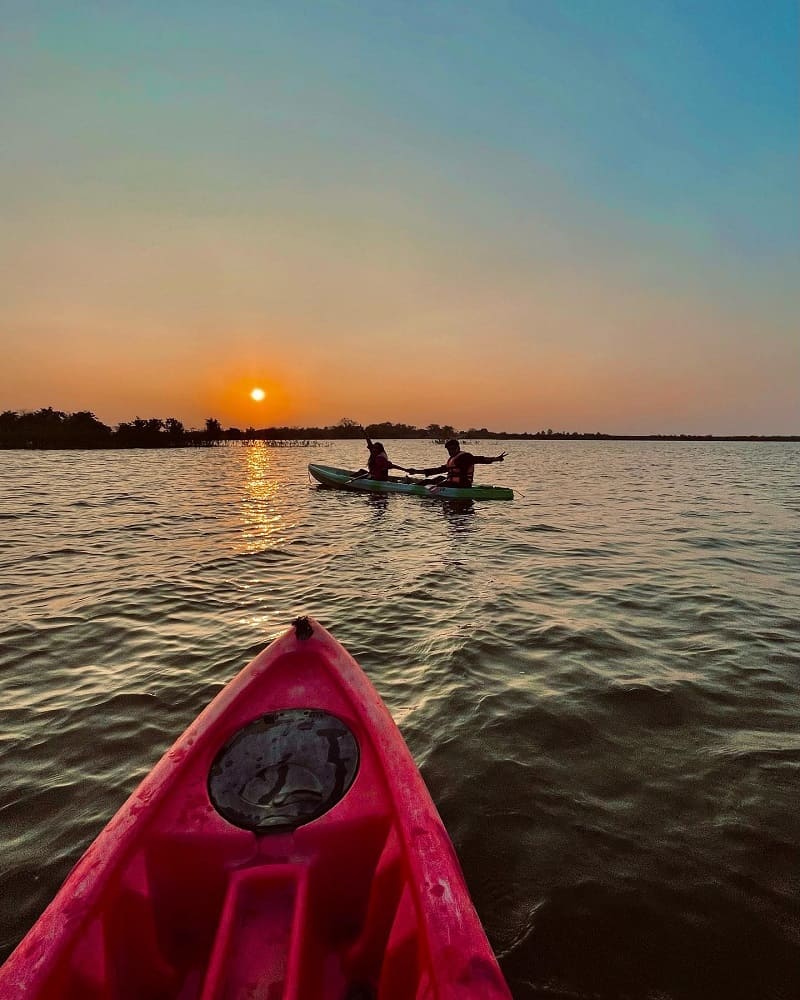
(140,433)
(174,427)
(348,428)
(84,430)
(49,428)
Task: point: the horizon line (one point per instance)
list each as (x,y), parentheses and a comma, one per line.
(85,425)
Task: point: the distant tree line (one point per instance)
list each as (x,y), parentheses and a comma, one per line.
(49,428)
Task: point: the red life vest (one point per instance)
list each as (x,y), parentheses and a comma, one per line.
(460,470)
(379,465)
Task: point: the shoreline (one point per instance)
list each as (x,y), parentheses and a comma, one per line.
(303,441)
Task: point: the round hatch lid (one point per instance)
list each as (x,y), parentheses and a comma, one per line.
(283,770)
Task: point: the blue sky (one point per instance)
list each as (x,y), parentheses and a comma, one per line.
(587,213)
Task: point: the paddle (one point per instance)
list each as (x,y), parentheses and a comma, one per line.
(365,475)
(428,487)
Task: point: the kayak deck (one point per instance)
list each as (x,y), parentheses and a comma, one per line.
(285,847)
(343,479)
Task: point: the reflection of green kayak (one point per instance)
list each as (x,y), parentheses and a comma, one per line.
(341,479)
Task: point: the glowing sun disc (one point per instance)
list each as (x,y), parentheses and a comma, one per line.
(258,395)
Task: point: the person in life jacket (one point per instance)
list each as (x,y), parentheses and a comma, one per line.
(459,468)
(378,464)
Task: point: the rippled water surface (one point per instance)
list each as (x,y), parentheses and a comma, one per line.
(600,680)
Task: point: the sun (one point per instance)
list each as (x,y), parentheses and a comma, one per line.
(258,395)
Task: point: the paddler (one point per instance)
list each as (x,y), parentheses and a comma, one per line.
(378,464)
(459,468)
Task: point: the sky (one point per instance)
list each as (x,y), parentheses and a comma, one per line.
(575,214)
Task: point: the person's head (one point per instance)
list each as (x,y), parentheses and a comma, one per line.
(377,448)
(452,446)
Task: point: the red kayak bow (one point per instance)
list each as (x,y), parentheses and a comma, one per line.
(285,848)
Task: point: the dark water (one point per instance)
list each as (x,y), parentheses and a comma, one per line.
(600,681)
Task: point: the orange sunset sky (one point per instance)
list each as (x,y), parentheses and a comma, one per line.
(464,214)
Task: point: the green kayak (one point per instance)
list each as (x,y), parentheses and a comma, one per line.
(341,479)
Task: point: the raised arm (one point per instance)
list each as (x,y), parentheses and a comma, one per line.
(485,460)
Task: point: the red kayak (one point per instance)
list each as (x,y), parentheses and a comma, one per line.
(285,848)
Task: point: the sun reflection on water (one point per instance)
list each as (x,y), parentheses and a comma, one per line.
(261,522)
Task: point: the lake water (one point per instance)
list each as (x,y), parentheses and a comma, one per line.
(600,680)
